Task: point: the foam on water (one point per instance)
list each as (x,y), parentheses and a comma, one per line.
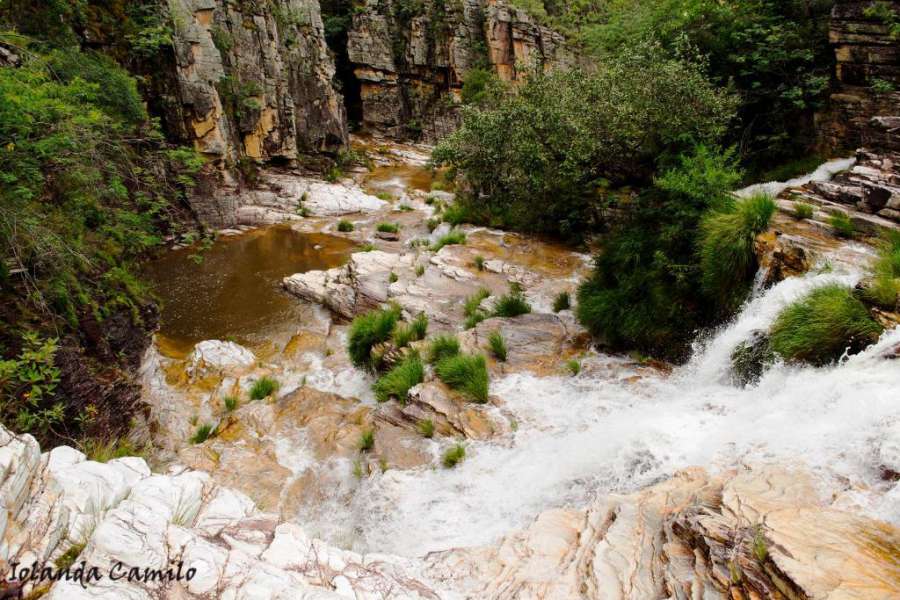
(578,437)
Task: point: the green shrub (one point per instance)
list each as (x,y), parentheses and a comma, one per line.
(562,302)
(478,86)
(479,263)
(803,211)
(452,238)
(388,227)
(366,440)
(368,330)
(474,319)
(106,450)
(574,367)
(432,224)
(397,382)
(367,247)
(426,428)
(411,332)
(842,224)
(473,303)
(453,456)
(512,304)
(727,260)
(819,327)
(441,347)
(263,388)
(203,433)
(498,346)
(465,373)
(392,278)
(345,226)
(456,214)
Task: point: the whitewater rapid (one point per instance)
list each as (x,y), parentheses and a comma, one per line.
(618,427)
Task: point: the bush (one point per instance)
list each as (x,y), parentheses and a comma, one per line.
(263,388)
(368,330)
(819,327)
(465,373)
(441,347)
(366,440)
(473,303)
(562,302)
(643,293)
(803,211)
(537,156)
(397,382)
(512,304)
(453,456)
(498,346)
(388,227)
(345,226)
(453,238)
(203,433)
(884,289)
(457,214)
(842,224)
(727,260)
(479,85)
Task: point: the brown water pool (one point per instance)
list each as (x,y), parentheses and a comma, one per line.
(235,293)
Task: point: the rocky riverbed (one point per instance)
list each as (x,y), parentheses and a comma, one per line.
(625,479)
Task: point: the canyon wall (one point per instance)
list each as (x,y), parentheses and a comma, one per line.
(254,79)
(410,61)
(867,75)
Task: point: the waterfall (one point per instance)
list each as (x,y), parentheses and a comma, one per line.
(620,427)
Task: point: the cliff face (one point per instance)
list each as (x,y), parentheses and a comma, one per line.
(410,61)
(867,74)
(254,79)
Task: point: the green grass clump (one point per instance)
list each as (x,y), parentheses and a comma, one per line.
(473,303)
(392,278)
(562,302)
(884,288)
(453,456)
(498,346)
(842,224)
(230,402)
(432,224)
(388,227)
(345,226)
(452,238)
(367,440)
(203,433)
(405,333)
(479,262)
(465,373)
(420,270)
(397,382)
(474,319)
(727,261)
(367,247)
(67,558)
(263,387)
(441,347)
(802,211)
(103,451)
(368,330)
(512,304)
(574,367)
(818,328)
(455,214)
(426,428)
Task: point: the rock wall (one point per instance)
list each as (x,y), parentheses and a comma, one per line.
(411,66)
(867,74)
(254,79)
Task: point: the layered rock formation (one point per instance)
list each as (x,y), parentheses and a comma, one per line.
(254,79)
(411,59)
(864,35)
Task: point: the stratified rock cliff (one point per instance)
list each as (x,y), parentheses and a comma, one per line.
(867,73)
(254,79)
(410,62)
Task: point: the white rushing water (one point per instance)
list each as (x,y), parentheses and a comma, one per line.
(824,173)
(599,433)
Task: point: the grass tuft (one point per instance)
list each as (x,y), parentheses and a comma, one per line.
(452,238)
(574,367)
(367,440)
(203,433)
(397,382)
(498,346)
(842,225)
(512,304)
(414,331)
(727,261)
(479,263)
(473,303)
(803,211)
(388,227)
(453,456)
(106,450)
(230,402)
(426,428)
(465,373)
(884,289)
(821,326)
(264,387)
(367,330)
(345,226)
(441,347)
(562,302)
